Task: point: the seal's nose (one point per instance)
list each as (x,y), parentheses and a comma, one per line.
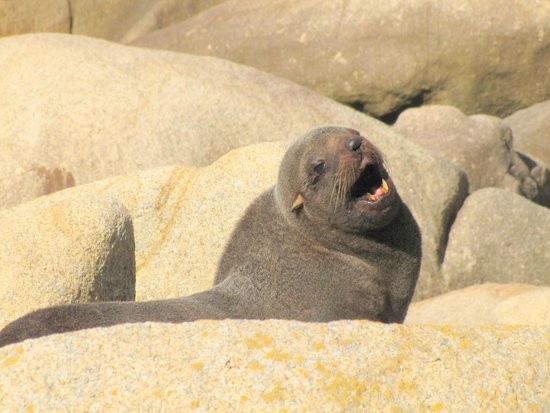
(354,143)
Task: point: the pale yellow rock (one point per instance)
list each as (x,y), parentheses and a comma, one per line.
(125,20)
(118,20)
(500,237)
(383,56)
(23,16)
(485,304)
(481,145)
(57,250)
(275,366)
(184,216)
(531,128)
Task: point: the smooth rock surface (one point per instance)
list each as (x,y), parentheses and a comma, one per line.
(479,144)
(497,237)
(280,366)
(121,109)
(531,128)
(58,250)
(482,145)
(23,16)
(125,20)
(485,304)
(184,216)
(384,56)
(117,20)
(108,109)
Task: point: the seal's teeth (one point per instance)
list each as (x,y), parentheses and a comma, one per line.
(385,186)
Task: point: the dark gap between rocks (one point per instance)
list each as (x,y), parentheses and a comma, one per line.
(391,117)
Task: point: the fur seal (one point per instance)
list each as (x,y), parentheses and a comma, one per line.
(332,240)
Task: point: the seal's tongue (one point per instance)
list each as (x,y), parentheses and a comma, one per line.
(376,192)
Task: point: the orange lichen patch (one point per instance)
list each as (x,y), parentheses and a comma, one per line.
(303,372)
(319,366)
(437,407)
(450,330)
(513,402)
(465,343)
(114,392)
(258,341)
(317,346)
(299,358)
(345,389)
(254,365)
(405,386)
(276,393)
(482,394)
(278,355)
(244,398)
(199,365)
(161,393)
(195,404)
(14,359)
(30,408)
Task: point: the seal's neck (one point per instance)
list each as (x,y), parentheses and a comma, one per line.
(397,235)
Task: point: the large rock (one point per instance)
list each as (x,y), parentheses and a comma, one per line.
(183,216)
(125,20)
(384,56)
(485,304)
(480,144)
(122,109)
(279,366)
(118,20)
(23,16)
(57,250)
(497,237)
(107,109)
(531,129)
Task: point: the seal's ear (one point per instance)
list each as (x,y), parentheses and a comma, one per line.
(298,202)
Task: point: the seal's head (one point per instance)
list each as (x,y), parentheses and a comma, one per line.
(334,176)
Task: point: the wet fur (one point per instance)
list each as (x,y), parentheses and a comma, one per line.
(317,263)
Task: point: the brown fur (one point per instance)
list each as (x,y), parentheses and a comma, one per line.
(308,250)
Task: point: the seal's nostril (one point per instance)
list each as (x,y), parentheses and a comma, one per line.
(354,143)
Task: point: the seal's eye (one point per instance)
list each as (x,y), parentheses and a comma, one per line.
(318,167)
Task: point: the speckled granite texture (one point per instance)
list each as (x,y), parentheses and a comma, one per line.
(278,366)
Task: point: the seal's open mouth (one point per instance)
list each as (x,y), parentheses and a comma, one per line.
(370,186)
